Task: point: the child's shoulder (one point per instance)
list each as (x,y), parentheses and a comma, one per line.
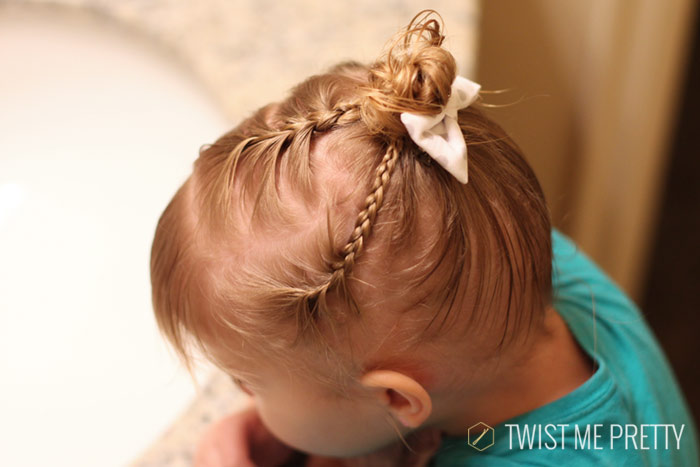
(632,397)
(614,331)
(576,275)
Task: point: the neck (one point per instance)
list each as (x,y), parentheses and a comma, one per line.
(554,366)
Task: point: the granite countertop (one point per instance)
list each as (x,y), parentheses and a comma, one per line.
(249,53)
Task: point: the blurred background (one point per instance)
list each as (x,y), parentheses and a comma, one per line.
(105,103)
(609,118)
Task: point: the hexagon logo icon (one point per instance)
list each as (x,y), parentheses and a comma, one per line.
(480,436)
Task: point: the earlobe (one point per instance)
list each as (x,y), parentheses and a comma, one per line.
(402,395)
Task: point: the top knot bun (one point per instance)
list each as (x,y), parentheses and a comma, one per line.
(415,75)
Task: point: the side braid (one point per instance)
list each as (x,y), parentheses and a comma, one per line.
(298,130)
(363,227)
(325,120)
(365,219)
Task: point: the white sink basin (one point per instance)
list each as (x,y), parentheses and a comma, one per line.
(97,130)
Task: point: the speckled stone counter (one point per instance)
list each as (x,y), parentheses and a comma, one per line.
(251,52)
(175,447)
(248,53)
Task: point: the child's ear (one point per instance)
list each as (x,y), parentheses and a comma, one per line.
(402,395)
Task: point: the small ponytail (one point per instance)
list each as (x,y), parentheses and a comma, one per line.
(415,75)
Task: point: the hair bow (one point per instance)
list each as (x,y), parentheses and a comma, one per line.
(439,135)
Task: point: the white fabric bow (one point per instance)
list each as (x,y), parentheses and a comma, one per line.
(439,135)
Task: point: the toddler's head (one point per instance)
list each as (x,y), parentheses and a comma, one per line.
(338,273)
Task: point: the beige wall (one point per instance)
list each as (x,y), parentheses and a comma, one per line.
(593,87)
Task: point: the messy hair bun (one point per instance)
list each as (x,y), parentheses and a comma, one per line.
(415,75)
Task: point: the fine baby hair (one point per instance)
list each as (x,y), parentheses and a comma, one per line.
(318,235)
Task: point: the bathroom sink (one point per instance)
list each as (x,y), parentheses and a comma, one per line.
(98,129)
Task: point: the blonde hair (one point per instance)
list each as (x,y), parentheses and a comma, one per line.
(494,232)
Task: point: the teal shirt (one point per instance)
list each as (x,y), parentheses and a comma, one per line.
(631,398)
